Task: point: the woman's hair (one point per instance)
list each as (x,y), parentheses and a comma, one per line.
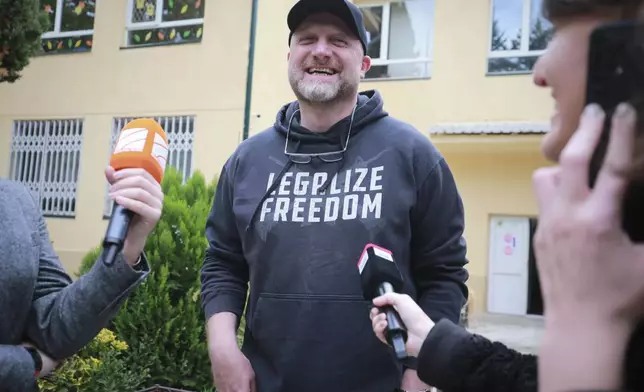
(629,10)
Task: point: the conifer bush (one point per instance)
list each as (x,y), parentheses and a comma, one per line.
(162,321)
(21,25)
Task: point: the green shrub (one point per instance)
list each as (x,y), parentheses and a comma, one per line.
(88,261)
(21,25)
(162,321)
(101,366)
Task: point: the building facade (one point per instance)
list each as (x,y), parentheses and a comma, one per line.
(458,70)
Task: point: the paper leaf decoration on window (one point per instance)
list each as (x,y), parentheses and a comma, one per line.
(199,31)
(148,36)
(67,45)
(184,9)
(79,8)
(140,4)
(171,4)
(150,9)
(186,34)
(198,4)
(172,34)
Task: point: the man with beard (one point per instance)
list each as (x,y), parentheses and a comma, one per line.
(296,204)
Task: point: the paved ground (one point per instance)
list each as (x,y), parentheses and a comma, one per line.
(523,334)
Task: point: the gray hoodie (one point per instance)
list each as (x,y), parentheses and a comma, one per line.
(38,300)
(294,229)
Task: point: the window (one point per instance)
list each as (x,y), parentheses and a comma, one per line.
(45,157)
(519,35)
(71,26)
(180,131)
(159,22)
(399,38)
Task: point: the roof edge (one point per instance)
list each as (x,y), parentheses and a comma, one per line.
(490,128)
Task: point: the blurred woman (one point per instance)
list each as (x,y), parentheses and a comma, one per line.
(45,317)
(592,275)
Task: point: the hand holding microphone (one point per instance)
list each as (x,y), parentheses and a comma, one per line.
(379,276)
(135,173)
(417,322)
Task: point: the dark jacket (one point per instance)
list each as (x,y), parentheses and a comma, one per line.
(454,360)
(38,300)
(295,229)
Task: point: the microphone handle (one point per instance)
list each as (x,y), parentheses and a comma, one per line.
(396,331)
(116,232)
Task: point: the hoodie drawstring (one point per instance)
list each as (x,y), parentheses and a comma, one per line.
(339,167)
(270,189)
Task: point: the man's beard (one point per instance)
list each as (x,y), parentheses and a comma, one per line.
(320,92)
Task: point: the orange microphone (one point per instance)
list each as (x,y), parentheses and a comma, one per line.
(142,144)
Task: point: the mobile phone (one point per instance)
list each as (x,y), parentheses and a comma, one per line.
(616,75)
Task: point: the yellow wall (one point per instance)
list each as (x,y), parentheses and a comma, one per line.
(491,184)
(458,90)
(208,80)
(205,79)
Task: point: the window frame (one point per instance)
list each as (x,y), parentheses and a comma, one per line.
(524,51)
(385,43)
(158,22)
(15,171)
(173,125)
(58,21)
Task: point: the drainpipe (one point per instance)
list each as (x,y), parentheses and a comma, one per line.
(251,65)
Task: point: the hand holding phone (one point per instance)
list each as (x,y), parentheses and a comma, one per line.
(616,75)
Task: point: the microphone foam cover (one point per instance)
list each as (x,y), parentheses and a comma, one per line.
(376,266)
(143,144)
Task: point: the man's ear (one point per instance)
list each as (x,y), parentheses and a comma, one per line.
(366,66)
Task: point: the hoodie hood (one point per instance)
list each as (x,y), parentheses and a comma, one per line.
(369,108)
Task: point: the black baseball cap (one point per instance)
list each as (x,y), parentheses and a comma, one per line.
(348,12)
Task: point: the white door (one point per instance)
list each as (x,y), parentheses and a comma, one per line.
(508,266)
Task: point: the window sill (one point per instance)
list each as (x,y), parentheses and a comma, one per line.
(509,73)
(56,53)
(397,79)
(153,45)
(52,216)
